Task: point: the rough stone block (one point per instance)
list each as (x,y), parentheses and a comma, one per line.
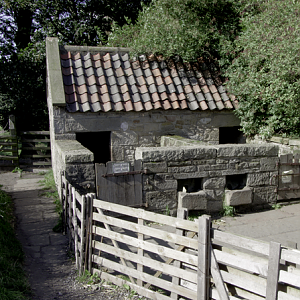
(269,163)
(165,185)
(186,169)
(214,206)
(193,201)
(156,167)
(238,197)
(159,200)
(124,138)
(265,195)
(257,179)
(190,175)
(214,183)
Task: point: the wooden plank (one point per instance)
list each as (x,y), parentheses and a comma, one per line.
(161,283)
(182,214)
(138,184)
(90,231)
(82,235)
(214,295)
(114,242)
(35,132)
(74,220)
(8,137)
(4,157)
(8,144)
(140,252)
(41,140)
(241,242)
(273,271)
(147,215)
(289,278)
(203,246)
(160,250)
(36,155)
(291,255)
(36,148)
(164,268)
(146,230)
(286,296)
(237,261)
(120,282)
(217,277)
(245,281)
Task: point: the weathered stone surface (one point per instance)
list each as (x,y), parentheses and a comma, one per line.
(73,152)
(257,179)
(174,154)
(247,150)
(214,183)
(159,200)
(153,167)
(294,142)
(190,175)
(166,185)
(238,197)
(193,201)
(269,164)
(119,138)
(186,169)
(264,195)
(214,206)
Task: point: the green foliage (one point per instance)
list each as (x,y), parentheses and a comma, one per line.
(228,211)
(88,278)
(189,28)
(13,282)
(266,74)
(24,25)
(51,192)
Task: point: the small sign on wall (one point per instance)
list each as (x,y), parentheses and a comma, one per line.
(120,167)
(287,176)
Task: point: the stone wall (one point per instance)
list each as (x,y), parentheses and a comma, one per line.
(142,129)
(180,161)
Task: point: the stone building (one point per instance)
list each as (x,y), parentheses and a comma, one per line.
(105,107)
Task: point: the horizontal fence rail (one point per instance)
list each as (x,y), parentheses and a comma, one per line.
(163,257)
(36,148)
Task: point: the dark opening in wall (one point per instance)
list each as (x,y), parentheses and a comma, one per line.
(231,135)
(98,143)
(189,185)
(236,182)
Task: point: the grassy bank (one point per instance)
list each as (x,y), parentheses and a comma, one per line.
(13,280)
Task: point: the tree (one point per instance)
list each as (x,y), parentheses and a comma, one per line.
(265,75)
(189,28)
(24,25)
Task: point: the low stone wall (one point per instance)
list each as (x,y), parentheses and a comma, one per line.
(77,162)
(200,177)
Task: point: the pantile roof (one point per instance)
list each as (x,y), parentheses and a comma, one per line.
(104,79)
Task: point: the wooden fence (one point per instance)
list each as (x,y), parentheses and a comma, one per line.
(163,257)
(9,146)
(36,149)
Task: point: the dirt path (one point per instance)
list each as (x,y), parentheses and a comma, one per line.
(51,272)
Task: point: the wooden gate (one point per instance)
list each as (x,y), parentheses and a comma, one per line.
(120,183)
(289,177)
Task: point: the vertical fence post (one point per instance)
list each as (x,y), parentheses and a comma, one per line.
(75,227)
(140,252)
(273,271)
(203,257)
(82,230)
(182,213)
(13,133)
(90,231)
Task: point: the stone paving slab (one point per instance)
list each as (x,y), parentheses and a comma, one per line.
(279,225)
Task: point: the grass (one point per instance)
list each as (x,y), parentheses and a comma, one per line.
(13,280)
(50,191)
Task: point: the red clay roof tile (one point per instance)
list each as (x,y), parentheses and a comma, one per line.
(91,79)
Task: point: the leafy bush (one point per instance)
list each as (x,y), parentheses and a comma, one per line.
(13,282)
(266,74)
